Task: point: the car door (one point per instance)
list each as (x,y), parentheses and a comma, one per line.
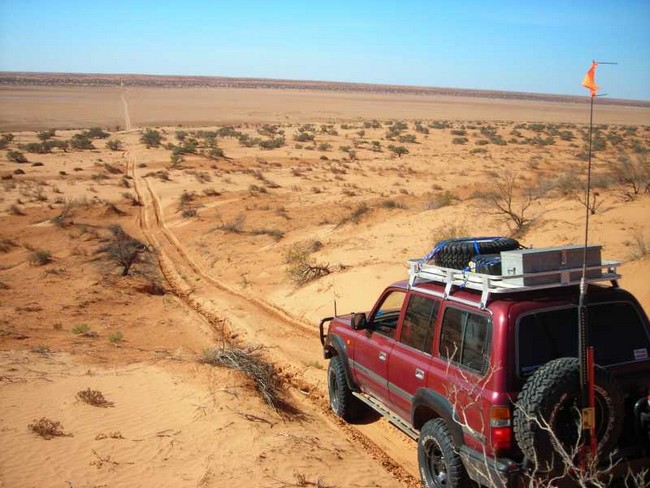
(374,345)
(410,358)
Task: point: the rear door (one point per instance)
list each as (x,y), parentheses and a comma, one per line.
(374,346)
(410,359)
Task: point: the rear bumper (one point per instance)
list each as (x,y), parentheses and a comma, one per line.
(506,473)
(488,471)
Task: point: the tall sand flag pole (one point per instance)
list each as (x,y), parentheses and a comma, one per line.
(586,353)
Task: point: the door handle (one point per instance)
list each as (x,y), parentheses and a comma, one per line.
(382,356)
(419,374)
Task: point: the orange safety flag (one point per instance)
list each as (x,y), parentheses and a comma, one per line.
(589,81)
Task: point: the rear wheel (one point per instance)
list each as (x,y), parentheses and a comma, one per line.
(547,419)
(342,402)
(440,464)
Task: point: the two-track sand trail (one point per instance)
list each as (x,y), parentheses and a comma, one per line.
(291,344)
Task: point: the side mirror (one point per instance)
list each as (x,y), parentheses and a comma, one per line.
(359,321)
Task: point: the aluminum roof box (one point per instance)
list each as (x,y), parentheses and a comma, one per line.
(515,265)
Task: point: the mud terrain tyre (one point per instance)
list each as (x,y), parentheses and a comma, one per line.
(342,402)
(440,464)
(551,396)
(457,253)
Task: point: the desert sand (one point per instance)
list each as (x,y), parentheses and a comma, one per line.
(220,228)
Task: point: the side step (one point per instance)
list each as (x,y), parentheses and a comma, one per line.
(391,416)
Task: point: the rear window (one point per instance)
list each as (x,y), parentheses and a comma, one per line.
(465,339)
(617,333)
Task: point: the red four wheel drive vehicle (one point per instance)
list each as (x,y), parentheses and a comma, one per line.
(481,369)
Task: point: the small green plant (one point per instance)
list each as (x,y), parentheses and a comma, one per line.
(116,337)
(83,330)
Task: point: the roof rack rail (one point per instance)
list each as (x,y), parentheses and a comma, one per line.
(455,279)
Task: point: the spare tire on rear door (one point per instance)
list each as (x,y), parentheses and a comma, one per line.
(456,253)
(547,416)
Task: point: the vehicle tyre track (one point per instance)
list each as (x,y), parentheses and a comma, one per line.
(176,266)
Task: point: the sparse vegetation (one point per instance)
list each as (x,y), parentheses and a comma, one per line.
(16,157)
(93,397)
(40,257)
(151,138)
(301,268)
(47,429)
(123,249)
(263,374)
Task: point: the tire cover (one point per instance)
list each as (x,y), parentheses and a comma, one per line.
(457,253)
(551,397)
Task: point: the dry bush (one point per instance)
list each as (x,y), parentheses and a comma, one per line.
(277,234)
(235,226)
(40,257)
(301,268)
(123,249)
(7,244)
(47,429)
(356,215)
(263,374)
(83,330)
(94,398)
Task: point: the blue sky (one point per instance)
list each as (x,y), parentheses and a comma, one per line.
(532,46)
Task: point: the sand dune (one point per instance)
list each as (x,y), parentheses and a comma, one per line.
(219,230)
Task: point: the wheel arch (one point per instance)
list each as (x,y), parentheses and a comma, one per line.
(428,405)
(336,347)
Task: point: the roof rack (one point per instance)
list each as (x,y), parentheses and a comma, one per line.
(454,279)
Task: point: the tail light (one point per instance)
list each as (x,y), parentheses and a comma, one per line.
(500,428)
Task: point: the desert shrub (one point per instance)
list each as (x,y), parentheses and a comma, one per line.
(81,142)
(360,210)
(450,230)
(7,244)
(188,213)
(46,428)
(399,151)
(459,140)
(5,140)
(272,143)
(40,257)
(16,157)
(93,397)
(44,135)
(640,247)
(15,210)
(478,150)
(235,226)
(301,268)
(114,145)
(37,147)
(277,234)
(123,249)
(96,133)
(215,152)
(458,132)
(407,138)
(151,138)
(392,204)
(263,374)
(440,200)
(633,172)
(324,146)
(303,137)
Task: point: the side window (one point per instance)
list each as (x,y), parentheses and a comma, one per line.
(465,339)
(387,315)
(419,321)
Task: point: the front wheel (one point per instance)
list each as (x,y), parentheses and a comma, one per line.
(342,402)
(440,464)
